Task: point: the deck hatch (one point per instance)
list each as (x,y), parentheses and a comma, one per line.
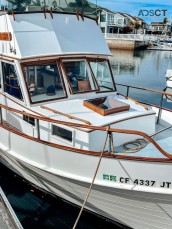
(106,105)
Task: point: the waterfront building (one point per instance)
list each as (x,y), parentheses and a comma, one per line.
(117,22)
(160,28)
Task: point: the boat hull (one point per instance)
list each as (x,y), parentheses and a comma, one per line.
(134,209)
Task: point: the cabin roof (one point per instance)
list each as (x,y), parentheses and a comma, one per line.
(35,35)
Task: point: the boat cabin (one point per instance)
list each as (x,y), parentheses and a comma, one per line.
(56,65)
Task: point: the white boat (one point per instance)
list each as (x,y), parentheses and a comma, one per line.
(160,46)
(168,88)
(65,127)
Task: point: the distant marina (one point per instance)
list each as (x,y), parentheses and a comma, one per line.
(141,68)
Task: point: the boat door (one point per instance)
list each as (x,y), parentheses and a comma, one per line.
(12,96)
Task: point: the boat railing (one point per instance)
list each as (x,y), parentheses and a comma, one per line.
(108,129)
(161,93)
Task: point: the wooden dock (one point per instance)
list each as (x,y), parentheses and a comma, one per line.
(8,218)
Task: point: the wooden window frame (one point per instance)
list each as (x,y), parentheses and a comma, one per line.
(87,59)
(43,62)
(113,81)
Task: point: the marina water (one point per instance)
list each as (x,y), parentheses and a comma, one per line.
(36,210)
(142,68)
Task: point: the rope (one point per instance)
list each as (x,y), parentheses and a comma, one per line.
(89,190)
(139,144)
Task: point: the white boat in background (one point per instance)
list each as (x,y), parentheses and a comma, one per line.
(64,127)
(168,88)
(160,46)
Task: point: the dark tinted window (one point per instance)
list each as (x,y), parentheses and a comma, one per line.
(11,84)
(61,132)
(28,119)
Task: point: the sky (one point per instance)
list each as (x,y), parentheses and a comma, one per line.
(148,10)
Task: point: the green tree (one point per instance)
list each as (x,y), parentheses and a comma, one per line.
(20,5)
(134,25)
(79,4)
(137,26)
(164,22)
(36,3)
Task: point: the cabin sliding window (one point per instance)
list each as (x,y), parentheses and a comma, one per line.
(79,76)
(0,79)
(44,82)
(11,84)
(102,74)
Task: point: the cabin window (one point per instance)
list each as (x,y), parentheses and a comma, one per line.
(28,119)
(44,82)
(62,133)
(0,80)
(79,76)
(102,74)
(11,84)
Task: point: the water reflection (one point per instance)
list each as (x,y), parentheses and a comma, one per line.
(141,68)
(124,61)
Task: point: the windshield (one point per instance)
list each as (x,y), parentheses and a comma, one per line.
(102,74)
(44,82)
(70,6)
(79,76)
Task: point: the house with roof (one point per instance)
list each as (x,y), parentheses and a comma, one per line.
(112,22)
(160,28)
(117,22)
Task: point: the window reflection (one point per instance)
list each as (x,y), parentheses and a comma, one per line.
(102,74)
(44,82)
(79,76)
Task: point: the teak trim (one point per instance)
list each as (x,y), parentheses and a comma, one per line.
(87,152)
(64,114)
(4,36)
(22,65)
(124,131)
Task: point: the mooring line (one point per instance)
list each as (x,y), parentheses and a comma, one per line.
(89,190)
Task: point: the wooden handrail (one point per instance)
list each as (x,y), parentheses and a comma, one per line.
(134,132)
(136,102)
(66,115)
